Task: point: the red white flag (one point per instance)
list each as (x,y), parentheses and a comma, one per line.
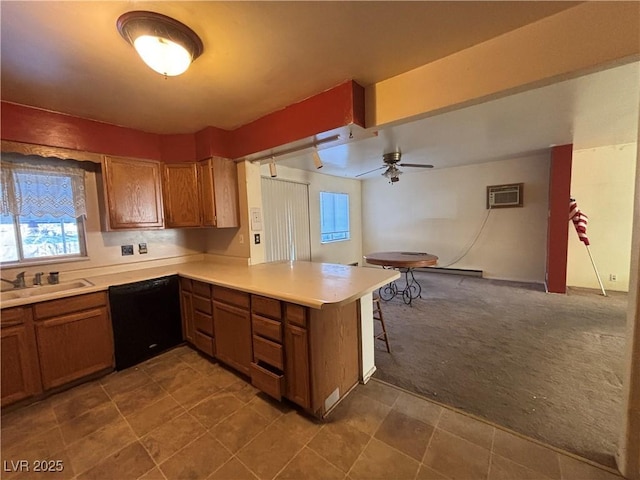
(579,220)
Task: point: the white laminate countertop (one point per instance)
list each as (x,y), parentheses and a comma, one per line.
(310,284)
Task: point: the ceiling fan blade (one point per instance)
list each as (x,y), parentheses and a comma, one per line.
(418,165)
(379,168)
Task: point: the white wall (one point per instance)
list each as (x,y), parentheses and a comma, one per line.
(338,252)
(441,211)
(602,182)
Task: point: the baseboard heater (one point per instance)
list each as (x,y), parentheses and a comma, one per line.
(452,271)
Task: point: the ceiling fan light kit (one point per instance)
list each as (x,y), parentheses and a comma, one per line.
(391,163)
(164,44)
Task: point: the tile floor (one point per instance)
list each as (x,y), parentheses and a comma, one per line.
(181,416)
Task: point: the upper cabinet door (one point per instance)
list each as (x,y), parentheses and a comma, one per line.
(219,193)
(181,196)
(132,193)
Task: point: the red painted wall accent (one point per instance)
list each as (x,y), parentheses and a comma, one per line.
(178,148)
(558,223)
(42,127)
(213,142)
(334,108)
(331,109)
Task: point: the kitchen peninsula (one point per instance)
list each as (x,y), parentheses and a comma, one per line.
(299,330)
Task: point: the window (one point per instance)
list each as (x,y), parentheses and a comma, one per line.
(334,217)
(42,212)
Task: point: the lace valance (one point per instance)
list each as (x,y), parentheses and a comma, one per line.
(40,190)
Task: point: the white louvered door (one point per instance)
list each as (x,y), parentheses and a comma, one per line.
(286,220)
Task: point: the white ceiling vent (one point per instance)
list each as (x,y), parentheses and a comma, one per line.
(504,196)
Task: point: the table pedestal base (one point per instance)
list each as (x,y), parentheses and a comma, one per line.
(411,290)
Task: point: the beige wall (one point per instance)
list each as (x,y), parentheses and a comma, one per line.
(441,212)
(104,247)
(602,182)
(338,252)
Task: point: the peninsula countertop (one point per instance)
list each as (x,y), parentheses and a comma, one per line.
(311,284)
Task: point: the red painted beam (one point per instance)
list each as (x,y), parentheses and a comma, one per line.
(334,108)
(42,127)
(558,223)
(331,109)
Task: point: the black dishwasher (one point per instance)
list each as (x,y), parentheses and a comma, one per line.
(146,319)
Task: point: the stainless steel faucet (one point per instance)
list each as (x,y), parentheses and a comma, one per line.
(18,282)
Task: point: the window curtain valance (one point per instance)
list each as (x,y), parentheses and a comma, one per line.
(40,190)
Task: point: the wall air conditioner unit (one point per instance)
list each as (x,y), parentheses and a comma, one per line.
(504,196)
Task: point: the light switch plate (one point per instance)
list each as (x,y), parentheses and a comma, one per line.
(142,248)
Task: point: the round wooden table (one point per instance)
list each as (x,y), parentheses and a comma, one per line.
(405,262)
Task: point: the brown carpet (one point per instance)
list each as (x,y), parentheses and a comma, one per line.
(548,366)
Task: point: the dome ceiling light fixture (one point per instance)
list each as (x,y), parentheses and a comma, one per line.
(164,44)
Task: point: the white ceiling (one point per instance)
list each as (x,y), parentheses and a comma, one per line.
(262,56)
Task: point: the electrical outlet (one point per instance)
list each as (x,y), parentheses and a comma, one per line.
(612,277)
(256,238)
(142,248)
(127,249)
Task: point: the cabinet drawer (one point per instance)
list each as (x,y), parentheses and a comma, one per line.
(268,307)
(204,343)
(201,288)
(202,304)
(296,314)
(185,284)
(69,305)
(268,351)
(233,297)
(265,327)
(13,316)
(203,322)
(269,382)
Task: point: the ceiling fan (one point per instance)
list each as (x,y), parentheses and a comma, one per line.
(391,163)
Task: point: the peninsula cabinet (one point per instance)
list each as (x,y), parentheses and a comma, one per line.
(196,311)
(74,338)
(186,309)
(131,194)
(19,363)
(310,356)
(232,326)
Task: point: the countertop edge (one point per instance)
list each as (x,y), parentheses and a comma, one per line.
(103,282)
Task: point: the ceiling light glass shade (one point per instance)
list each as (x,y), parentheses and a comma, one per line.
(162,55)
(392,173)
(164,44)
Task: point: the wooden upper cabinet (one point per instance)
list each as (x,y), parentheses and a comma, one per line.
(132,194)
(181,195)
(219,193)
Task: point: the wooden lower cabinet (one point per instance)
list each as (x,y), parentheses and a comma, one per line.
(19,362)
(186,309)
(296,369)
(232,327)
(74,338)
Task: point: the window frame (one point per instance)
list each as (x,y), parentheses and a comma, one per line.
(19,240)
(334,233)
(82,242)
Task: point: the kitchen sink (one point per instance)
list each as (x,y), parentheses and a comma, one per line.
(37,291)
